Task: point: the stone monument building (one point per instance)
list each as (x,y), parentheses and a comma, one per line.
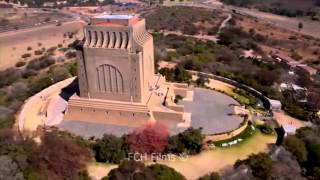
(117,80)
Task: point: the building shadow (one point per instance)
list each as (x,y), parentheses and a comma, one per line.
(71,89)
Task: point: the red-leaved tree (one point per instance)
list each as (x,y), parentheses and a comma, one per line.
(150,138)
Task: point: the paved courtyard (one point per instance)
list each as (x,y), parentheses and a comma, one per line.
(88,129)
(210,110)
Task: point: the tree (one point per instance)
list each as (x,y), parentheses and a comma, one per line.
(296,147)
(260,165)
(210,176)
(109,149)
(150,138)
(132,170)
(181,75)
(192,139)
(60,73)
(163,172)
(175,145)
(201,81)
(59,158)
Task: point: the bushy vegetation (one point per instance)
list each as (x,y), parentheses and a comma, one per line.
(260,165)
(183,19)
(189,141)
(266,128)
(163,172)
(55,158)
(17,84)
(290,8)
(110,149)
(178,74)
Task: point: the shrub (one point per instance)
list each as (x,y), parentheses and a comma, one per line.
(9,76)
(7,121)
(52,49)
(26,55)
(40,83)
(59,73)
(177,98)
(38,52)
(163,172)
(29,48)
(73,70)
(74,43)
(40,63)
(266,129)
(71,54)
(201,81)
(20,63)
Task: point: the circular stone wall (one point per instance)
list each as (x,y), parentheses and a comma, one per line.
(211,110)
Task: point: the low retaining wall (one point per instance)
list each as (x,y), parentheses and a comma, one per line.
(264,99)
(226,135)
(29,103)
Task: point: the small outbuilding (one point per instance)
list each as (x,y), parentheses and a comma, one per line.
(275,104)
(289,129)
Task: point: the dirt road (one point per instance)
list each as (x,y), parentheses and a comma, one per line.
(309,27)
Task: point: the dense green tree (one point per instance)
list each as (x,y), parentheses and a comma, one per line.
(163,172)
(260,165)
(296,147)
(59,73)
(192,139)
(201,81)
(179,74)
(109,149)
(175,145)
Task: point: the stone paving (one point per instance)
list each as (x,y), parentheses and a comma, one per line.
(211,111)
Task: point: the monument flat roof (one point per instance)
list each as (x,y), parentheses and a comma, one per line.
(115,16)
